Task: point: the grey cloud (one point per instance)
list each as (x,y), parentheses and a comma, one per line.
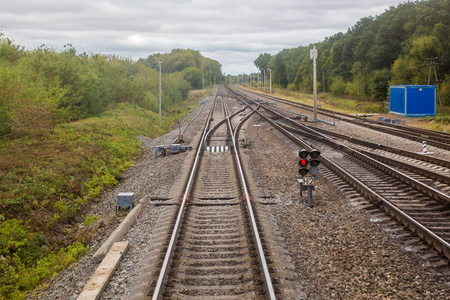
(233,32)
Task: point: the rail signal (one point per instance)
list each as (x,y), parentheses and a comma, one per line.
(314,162)
(303,162)
(307,180)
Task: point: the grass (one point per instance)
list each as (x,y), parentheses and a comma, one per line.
(46,179)
(328,101)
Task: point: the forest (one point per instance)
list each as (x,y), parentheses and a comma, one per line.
(69,124)
(61,86)
(396,47)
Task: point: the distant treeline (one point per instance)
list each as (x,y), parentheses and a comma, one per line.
(392,48)
(43,87)
(194,68)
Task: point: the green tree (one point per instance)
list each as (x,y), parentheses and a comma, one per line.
(262,61)
(380,84)
(399,41)
(194,76)
(338,86)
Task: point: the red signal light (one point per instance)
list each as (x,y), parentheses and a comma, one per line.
(303,162)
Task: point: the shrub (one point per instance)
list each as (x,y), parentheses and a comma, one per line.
(379,85)
(338,86)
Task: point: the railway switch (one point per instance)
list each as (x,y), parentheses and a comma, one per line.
(172,149)
(175,148)
(160,149)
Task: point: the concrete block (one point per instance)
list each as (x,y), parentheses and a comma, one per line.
(97,283)
(118,233)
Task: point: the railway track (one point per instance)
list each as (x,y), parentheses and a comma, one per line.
(434,138)
(434,171)
(404,193)
(215,250)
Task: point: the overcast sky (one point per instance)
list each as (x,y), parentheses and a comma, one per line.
(233,32)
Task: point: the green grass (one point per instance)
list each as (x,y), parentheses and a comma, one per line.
(47,178)
(441,122)
(90,219)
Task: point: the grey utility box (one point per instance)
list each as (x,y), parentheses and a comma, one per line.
(125,200)
(175,148)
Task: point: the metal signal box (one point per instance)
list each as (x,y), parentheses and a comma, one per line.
(125,200)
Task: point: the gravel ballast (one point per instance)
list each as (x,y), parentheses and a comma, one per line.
(339,250)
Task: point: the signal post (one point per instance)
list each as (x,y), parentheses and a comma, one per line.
(308,174)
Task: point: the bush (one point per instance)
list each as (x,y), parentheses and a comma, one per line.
(445,91)
(338,86)
(351,88)
(379,85)
(17,277)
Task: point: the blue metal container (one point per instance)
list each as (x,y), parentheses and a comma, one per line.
(412,100)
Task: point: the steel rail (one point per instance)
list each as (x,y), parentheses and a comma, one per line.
(391,161)
(379,165)
(415,155)
(261,256)
(401,127)
(413,224)
(435,240)
(190,121)
(162,278)
(221,122)
(435,140)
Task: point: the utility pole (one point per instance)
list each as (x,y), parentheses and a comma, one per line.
(214,81)
(432,62)
(358,84)
(323,80)
(313,56)
(160,62)
(264,80)
(270,81)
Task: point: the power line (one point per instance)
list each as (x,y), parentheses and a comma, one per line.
(432,63)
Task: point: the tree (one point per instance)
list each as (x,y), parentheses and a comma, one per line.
(380,84)
(262,62)
(393,45)
(194,76)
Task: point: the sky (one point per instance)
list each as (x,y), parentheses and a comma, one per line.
(233,32)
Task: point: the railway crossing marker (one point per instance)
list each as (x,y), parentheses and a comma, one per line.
(307,176)
(424,149)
